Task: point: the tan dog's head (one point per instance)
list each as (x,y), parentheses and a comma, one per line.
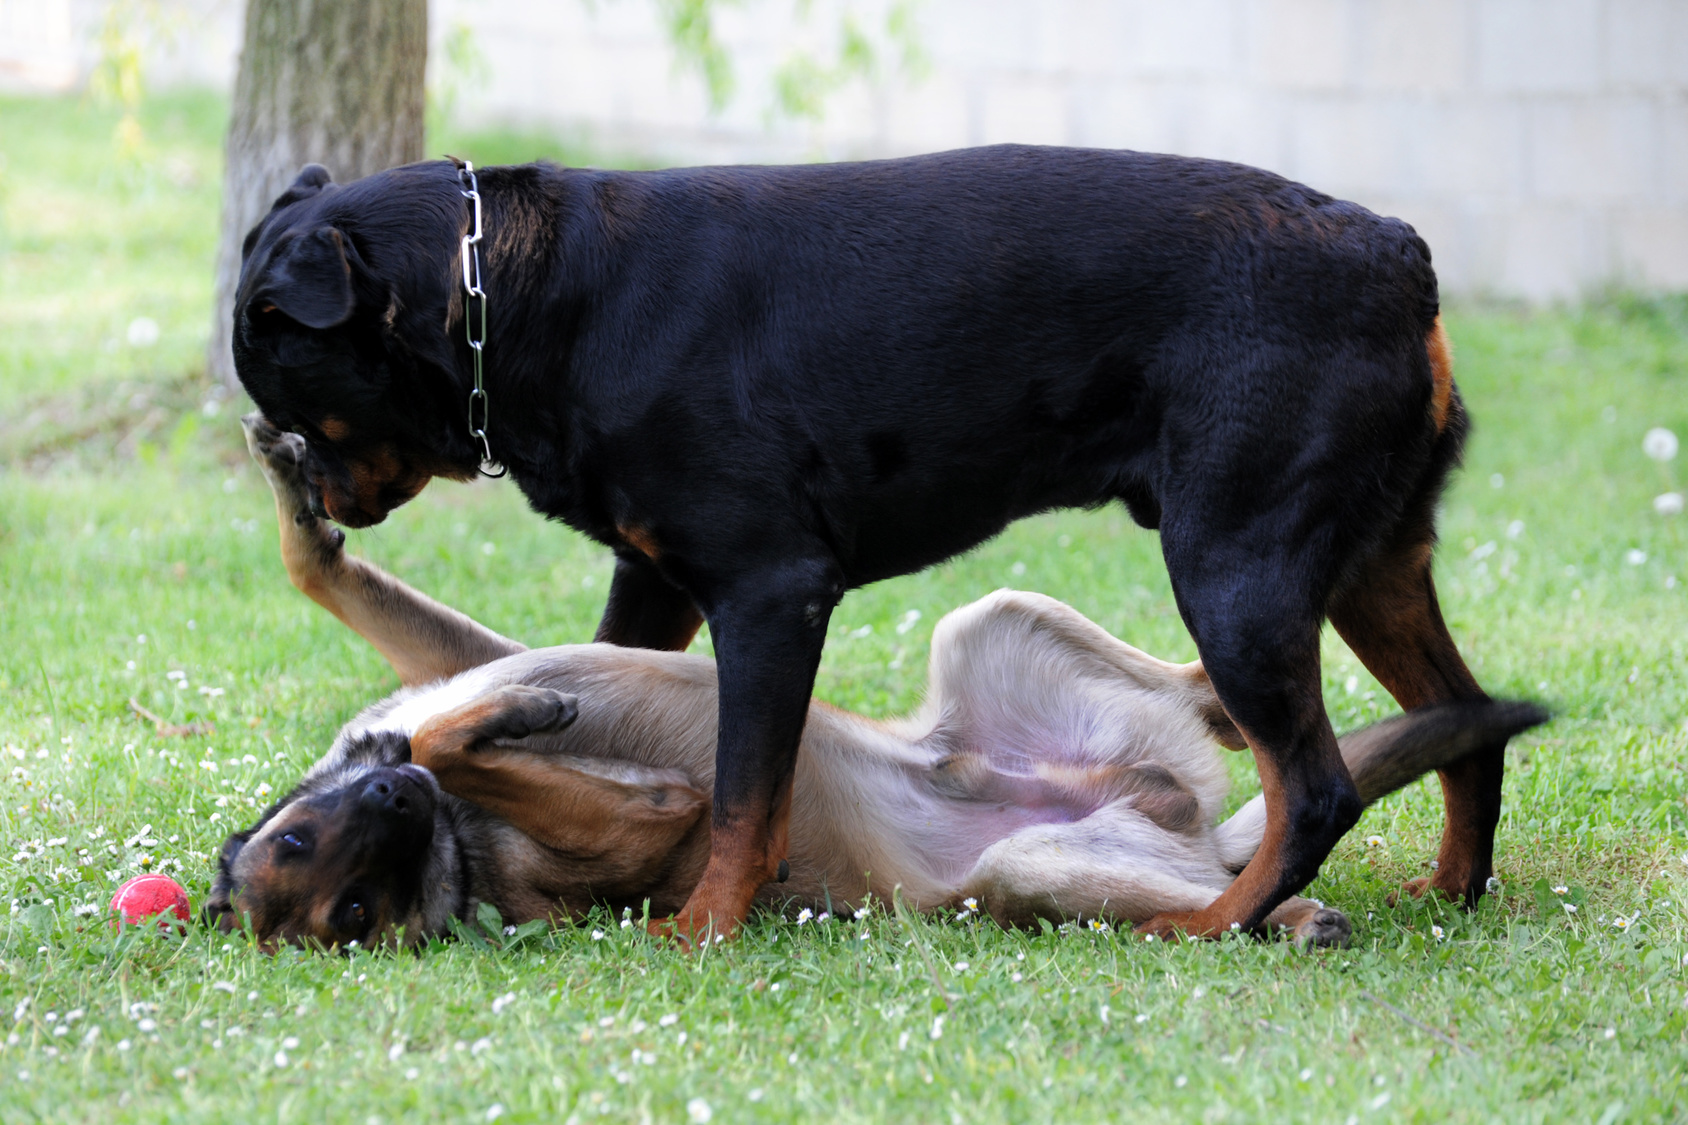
(363,852)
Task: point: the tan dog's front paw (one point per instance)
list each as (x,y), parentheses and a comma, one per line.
(1323,929)
(308,544)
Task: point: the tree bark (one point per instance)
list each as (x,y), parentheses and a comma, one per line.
(338,82)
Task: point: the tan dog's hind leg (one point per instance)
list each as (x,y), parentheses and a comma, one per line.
(616,824)
(422,639)
(1119,866)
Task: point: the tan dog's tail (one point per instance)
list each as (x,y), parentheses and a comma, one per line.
(1388,755)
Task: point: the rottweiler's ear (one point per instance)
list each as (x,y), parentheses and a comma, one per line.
(310,279)
(312,179)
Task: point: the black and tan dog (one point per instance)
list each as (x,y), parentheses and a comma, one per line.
(765,386)
(1054,772)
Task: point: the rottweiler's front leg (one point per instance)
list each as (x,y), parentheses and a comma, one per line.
(768,627)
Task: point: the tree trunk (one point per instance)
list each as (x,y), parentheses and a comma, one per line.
(338,82)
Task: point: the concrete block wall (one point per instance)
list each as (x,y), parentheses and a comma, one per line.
(1541,146)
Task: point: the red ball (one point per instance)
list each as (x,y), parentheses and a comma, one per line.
(151,896)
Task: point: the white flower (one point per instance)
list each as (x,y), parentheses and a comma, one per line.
(1016,977)
(147,1025)
(597,935)
(395,1052)
(698,1110)
(963,966)
(804,915)
(668,1021)
(823,916)
(1374,841)
(908,621)
(499,1003)
(1306,1074)
(755,1094)
(937,1027)
(902,1041)
(280,1057)
(481,1046)
(626,924)
(1569,909)
(143,332)
(1180,1081)
(1635,556)
(970,903)
(494,1111)
(1437,932)
(1561,889)
(1668,503)
(1660,444)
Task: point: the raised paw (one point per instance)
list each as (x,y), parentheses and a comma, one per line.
(279,454)
(518,710)
(1322,929)
(309,544)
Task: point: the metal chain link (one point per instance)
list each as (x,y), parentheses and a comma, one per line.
(471,249)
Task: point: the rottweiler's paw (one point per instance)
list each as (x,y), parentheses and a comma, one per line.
(1174,926)
(1426,884)
(1324,928)
(518,710)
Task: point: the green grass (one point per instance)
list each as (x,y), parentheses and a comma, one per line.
(121,520)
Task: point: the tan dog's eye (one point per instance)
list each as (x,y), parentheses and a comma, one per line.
(357,911)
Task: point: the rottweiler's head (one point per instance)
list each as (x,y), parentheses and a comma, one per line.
(341,334)
(365,852)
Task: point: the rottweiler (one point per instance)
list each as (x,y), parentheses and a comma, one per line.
(1053,772)
(763,386)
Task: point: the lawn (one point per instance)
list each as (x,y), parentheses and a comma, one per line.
(138,561)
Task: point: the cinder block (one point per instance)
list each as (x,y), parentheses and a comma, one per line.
(1538,45)
(1642,43)
(1300,44)
(1470,145)
(1650,245)
(1422,46)
(1673,150)
(1094,37)
(1348,147)
(1026,110)
(1189,37)
(1240,122)
(1552,251)
(983,34)
(1148,115)
(1601,149)
(928,116)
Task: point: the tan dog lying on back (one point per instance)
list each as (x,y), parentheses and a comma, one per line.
(1054,772)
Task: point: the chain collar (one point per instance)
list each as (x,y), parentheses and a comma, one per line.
(471,253)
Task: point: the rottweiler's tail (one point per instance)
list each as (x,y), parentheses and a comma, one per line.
(1388,755)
